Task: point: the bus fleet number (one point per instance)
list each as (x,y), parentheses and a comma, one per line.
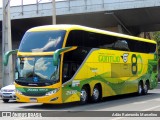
(134,64)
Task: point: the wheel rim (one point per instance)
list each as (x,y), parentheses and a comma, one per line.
(145,88)
(83,95)
(95,93)
(140,89)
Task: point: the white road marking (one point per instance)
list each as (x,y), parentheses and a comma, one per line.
(157,99)
(152,108)
(139,102)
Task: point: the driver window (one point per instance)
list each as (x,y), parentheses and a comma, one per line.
(69,69)
(65,72)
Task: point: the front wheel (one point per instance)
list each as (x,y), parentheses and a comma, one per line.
(84,95)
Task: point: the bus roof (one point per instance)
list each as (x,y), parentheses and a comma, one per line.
(89,29)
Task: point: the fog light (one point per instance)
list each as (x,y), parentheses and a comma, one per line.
(54,99)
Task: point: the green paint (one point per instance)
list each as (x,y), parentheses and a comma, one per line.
(109,59)
(34,91)
(57,53)
(6,56)
(116,84)
(68,91)
(140,58)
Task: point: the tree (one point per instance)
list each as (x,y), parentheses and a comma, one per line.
(156,37)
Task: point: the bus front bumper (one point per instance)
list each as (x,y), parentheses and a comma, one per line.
(42,99)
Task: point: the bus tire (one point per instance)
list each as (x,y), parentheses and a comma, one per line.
(146,88)
(140,88)
(96,96)
(84,95)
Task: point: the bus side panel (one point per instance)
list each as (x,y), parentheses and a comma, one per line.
(70,92)
(97,69)
(119,72)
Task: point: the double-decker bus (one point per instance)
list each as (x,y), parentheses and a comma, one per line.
(66,63)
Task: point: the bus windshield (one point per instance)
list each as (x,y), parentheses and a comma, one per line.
(42,41)
(36,70)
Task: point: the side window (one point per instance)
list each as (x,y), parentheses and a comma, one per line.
(106,41)
(82,38)
(97,40)
(143,47)
(65,72)
(69,69)
(89,39)
(121,45)
(92,40)
(75,38)
(72,60)
(151,48)
(74,68)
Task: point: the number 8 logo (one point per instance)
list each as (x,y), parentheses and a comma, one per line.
(134,64)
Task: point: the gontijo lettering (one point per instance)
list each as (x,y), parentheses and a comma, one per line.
(106,58)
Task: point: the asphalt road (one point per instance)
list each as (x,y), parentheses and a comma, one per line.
(132,102)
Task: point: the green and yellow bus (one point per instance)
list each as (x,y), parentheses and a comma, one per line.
(67,63)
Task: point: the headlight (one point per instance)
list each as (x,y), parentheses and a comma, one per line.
(19,92)
(52,92)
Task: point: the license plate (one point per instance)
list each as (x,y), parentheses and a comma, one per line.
(33,99)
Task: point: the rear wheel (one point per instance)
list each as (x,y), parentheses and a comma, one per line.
(84,95)
(5,100)
(96,96)
(146,88)
(140,88)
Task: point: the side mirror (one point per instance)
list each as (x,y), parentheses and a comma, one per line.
(6,56)
(57,53)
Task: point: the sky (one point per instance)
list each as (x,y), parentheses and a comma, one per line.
(26,2)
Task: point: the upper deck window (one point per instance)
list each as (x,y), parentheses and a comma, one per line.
(43,41)
(104,41)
